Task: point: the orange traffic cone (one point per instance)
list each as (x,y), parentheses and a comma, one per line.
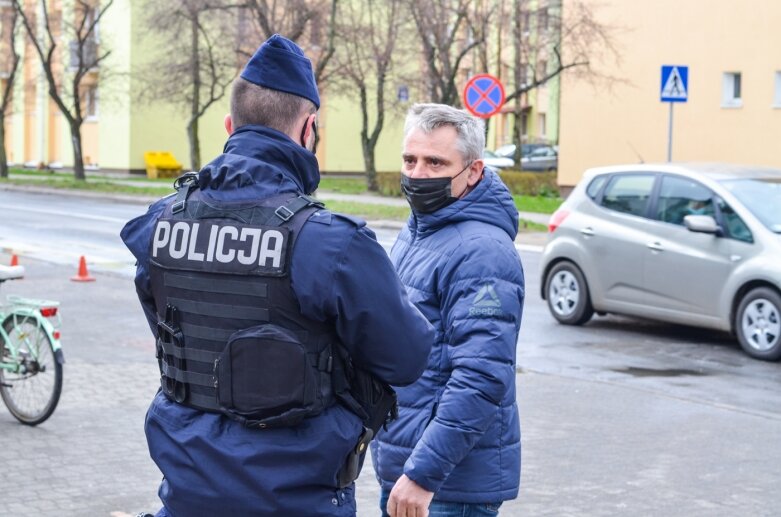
(83,275)
(14,260)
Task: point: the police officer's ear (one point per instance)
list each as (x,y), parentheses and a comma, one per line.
(228,124)
(309,133)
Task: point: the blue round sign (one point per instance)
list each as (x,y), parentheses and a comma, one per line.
(483,95)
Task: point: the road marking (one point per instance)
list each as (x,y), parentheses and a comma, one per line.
(66,214)
(529,247)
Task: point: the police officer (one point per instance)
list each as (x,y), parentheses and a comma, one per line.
(262,303)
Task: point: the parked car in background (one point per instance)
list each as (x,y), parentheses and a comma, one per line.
(695,244)
(508,151)
(544,158)
(497,162)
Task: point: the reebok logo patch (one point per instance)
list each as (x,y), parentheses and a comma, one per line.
(486,303)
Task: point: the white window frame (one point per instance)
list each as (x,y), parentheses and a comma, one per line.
(777,89)
(729,98)
(542,125)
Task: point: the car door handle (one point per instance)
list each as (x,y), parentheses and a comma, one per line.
(655,246)
(588,231)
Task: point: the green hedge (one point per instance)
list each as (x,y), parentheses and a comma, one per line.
(389,183)
(531,183)
(519,183)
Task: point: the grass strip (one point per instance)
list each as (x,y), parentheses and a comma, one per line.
(93,186)
(537,204)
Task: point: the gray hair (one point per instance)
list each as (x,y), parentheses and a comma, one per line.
(470,130)
(256,105)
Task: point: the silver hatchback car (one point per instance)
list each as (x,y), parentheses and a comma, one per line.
(696,244)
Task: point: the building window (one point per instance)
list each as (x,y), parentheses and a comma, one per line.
(91,102)
(541,123)
(542,19)
(777,91)
(542,69)
(731,95)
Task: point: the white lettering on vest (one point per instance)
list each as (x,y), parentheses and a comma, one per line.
(275,253)
(222,256)
(162,234)
(254,233)
(179,238)
(212,244)
(191,253)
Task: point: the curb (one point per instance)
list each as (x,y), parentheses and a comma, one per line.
(140,200)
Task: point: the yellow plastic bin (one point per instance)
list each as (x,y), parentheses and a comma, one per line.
(161,164)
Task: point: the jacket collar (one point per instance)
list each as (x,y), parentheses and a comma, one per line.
(259,158)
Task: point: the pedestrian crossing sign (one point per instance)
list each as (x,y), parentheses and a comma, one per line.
(675,83)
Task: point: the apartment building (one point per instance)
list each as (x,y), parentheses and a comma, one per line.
(733,112)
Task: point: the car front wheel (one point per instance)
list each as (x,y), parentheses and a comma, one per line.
(758,324)
(567,294)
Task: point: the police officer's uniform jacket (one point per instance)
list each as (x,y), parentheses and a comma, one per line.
(246,302)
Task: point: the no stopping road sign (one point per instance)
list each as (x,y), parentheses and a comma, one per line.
(483,95)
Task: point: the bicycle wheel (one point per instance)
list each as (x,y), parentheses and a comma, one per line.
(33,390)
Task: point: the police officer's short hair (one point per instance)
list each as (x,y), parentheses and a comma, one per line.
(470,129)
(252,104)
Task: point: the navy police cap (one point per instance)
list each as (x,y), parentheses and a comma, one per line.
(279,64)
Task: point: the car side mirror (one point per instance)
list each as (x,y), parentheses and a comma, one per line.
(701,224)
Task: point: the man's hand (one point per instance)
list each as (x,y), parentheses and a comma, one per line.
(408,499)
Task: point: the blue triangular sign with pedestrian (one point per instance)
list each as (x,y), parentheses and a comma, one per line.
(675,83)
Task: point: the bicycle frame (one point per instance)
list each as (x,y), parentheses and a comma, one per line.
(20,309)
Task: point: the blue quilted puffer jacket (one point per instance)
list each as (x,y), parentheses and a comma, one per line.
(458,432)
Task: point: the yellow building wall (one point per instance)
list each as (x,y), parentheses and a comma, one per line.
(112,126)
(341,120)
(619,123)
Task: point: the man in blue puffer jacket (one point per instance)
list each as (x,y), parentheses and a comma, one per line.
(456,446)
(334,285)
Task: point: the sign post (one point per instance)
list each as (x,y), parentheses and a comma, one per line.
(675,88)
(483,95)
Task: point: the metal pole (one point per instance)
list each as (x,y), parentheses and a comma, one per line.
(670,135)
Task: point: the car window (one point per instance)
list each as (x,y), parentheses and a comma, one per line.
(629,193)
(735,228)
(679,197)
(594,187)
(541,152)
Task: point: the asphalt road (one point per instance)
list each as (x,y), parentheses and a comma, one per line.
(619,417)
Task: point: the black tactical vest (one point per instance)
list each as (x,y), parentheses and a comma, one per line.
(231,337)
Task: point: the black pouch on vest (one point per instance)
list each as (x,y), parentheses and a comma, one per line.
(265,378)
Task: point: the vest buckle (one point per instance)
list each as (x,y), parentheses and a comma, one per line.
(284,213)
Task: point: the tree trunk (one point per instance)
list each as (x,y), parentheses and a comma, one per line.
(78,155)
(517,76)
(195,145)
(192,125)
(371,169)
(3,155)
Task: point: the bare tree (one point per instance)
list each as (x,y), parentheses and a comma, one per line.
(448,31)
(67,88)
(540,31)
(9,64)
(310,23)
(198,43)
(368,33)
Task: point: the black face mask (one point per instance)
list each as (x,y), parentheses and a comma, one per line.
(427,195)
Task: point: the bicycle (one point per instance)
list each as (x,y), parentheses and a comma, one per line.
(30,354)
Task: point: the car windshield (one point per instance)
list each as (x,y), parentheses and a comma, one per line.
(488,154)
(762,197)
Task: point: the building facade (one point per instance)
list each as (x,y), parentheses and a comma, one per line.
(119,127)
(733,112)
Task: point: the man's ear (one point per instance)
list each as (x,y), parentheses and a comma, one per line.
(475,172)
(228,124)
